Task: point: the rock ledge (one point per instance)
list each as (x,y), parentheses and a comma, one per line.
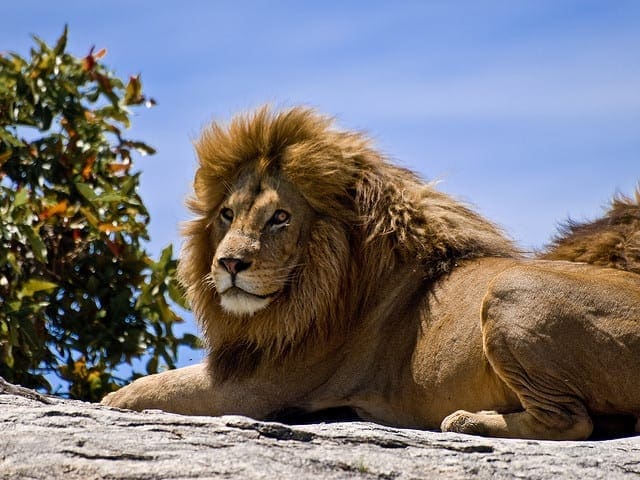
(43,437)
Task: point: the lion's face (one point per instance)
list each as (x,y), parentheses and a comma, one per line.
(258,231)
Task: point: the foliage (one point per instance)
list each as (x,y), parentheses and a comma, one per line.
(79,295)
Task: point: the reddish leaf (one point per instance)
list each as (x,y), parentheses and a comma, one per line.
(110,228)
(115,248)
(104,82)
(119,168)
(100,53)
(57,209)
(67,126)
(88,167)
(88,62)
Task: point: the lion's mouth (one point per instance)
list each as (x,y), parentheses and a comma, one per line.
(238,301)
(237,291)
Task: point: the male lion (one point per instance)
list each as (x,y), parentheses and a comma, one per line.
(323,276)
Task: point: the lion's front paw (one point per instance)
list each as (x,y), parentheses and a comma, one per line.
(463,422)
(124,398)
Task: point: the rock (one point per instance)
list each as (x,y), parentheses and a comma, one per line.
(53,438)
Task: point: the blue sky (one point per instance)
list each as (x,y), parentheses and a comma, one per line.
(529,110)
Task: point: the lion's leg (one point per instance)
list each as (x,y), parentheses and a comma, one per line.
(525,424)
(550,410)
(187,390)
(529,349)
(193,390)
(552,407)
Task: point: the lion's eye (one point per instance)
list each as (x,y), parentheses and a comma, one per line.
(280,218)
(226,214)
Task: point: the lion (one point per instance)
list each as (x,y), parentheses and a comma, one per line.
(325,277)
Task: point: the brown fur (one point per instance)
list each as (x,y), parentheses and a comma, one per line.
(324,277)
(611,241)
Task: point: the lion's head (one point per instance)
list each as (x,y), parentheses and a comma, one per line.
(297,227)
(258,230)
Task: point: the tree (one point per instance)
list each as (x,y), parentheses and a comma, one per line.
(79,295)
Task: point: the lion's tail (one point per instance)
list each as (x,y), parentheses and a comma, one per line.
(611,241)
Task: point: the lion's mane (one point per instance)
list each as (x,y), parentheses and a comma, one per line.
(371,218)
(612,240)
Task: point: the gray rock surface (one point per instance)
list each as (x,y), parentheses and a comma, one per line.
(51,438)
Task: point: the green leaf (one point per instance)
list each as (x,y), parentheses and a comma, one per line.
(152,365)
(44,48)
(115,113)
(111,197)
(176,294)
(61,44)
(18,61)
(21,197)
(34,285)
(93,220)
(165,257)
(15,305)
(10,139)
(7,355)
(141,147)
(191,341)
(4,156)
(133,94)
(86,191)
(37,245)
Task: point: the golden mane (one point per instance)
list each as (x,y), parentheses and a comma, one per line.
(610,241)
(371,217)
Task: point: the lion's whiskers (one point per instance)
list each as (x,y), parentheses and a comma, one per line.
(209,281)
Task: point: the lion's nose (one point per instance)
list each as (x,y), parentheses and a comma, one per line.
(234,265)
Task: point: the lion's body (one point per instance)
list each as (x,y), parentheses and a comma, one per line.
(325,277)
